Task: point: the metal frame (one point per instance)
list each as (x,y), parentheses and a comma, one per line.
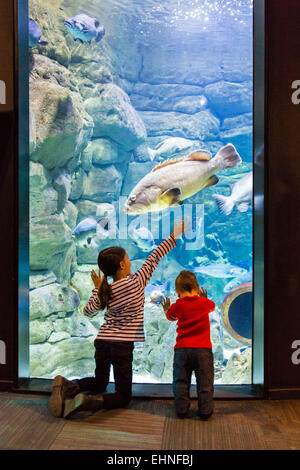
(153,390)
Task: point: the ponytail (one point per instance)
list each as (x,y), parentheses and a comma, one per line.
(104,292)
(109,263)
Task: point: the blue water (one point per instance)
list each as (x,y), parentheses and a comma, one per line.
(100,113)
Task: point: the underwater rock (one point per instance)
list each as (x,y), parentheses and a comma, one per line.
(77,184)
(183,104)
(203,125)
(162,94)
(57,336)
(101,152)
(87,250)
(52,298)
(40,279)
(142,153)
(229,99)
(64,263)
(48,236)
(76,325)
(40,331)
(62,128)
(83,284)
(47,358)
(238,368)
(115,117)
(102,184)
(43,198)
(62,184)
(70,214)
(46,69)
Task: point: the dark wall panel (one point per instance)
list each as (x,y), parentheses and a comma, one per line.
(8,252)
(282,294)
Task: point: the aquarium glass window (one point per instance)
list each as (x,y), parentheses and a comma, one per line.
(140,113)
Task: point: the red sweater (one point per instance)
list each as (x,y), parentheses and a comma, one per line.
(193,328)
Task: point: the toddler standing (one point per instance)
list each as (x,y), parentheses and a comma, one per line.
(193,348)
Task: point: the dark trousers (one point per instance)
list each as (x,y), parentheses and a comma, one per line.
(200,361)
(119,354)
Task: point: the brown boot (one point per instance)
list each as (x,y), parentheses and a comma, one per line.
(82,403)
(61,389)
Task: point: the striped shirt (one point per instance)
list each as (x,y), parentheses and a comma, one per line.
(124,318)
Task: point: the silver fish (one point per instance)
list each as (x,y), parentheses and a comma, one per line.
(241,195)
(84,28)
(34,34)
(245,277)
(172,181)
(171,146)
(220,270)
(85,225)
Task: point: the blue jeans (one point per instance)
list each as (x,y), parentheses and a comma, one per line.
(200,361)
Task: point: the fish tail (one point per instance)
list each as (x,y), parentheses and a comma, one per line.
(152,153)
(229,156)
(225,203)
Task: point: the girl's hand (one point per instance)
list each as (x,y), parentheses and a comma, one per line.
(97,279)
(166,303)
(180,228)
(202,292)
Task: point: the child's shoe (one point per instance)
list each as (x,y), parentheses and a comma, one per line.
(82,403)
(205,417)
(61,389)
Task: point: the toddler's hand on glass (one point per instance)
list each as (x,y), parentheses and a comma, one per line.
(202,292)
(96,278)
(166,303)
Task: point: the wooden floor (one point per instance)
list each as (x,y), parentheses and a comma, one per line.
(26,423)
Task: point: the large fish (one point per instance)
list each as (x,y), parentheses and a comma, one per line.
(34,34)
(172,181)
(84,28)
(241,196)
(171,146)
(220,270)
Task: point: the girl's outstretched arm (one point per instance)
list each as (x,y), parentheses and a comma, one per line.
(145,272)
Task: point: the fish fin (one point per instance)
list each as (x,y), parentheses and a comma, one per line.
(152,153)
(211,181)
(229,156)
(242,207)
(173,195)
(225,204)
(201,155)
(231,186)
(167,162)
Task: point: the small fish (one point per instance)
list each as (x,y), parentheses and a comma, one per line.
(84,28)
(34,34)
(245,277)
(171,146)
(172,181)
(85,225)
(241,196)
(156,292)
(220,270)
(143,238)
